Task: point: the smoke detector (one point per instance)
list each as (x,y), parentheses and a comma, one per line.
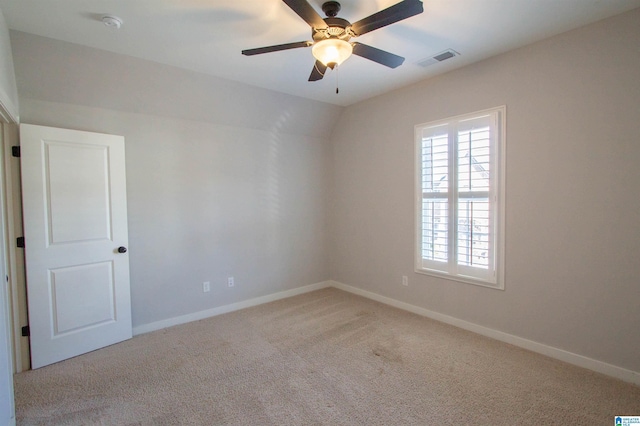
(112,21)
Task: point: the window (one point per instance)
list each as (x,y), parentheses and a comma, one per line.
(460,198)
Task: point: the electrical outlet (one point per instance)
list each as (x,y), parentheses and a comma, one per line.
(230,282)
(206,286)
(405,281)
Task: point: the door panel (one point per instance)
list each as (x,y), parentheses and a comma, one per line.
(74,202)
(82,297)
(63,164)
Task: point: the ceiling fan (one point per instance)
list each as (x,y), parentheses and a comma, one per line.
(331,35)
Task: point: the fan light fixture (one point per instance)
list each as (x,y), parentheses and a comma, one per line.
(331,36)
(332,51)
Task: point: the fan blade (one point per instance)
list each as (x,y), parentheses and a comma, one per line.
(318,71)
(403,10)
(377,55)
(276,48)
(306,12)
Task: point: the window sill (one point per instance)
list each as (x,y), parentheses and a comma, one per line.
(461,279)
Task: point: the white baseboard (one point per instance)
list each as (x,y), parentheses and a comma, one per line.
(550,351)
(158,325)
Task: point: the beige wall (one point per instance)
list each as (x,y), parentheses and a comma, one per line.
(8,89)
(573,185)
(206,200)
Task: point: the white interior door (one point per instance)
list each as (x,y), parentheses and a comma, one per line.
(75,226)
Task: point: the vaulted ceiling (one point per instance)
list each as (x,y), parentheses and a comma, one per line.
(208,35)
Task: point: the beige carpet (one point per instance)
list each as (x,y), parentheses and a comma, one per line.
(323,358)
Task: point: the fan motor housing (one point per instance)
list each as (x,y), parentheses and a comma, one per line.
(337,28)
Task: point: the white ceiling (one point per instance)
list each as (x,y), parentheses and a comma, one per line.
(208,36)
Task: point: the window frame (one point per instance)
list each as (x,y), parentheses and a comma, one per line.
(450,269)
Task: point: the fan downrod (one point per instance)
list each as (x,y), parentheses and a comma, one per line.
(331,8)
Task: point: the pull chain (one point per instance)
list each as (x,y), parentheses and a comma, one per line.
(337,89)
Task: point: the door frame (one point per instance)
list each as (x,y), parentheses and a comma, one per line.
(15,256)
(7,123)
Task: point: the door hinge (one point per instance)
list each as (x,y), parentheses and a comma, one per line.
(26,332)
(15,150)
(20,242)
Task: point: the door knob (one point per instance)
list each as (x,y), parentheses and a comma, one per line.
(122,249)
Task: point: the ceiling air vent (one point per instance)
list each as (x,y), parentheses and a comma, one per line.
(438,57)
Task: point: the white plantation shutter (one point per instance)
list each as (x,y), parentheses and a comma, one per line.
(460,195)
(435,200)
